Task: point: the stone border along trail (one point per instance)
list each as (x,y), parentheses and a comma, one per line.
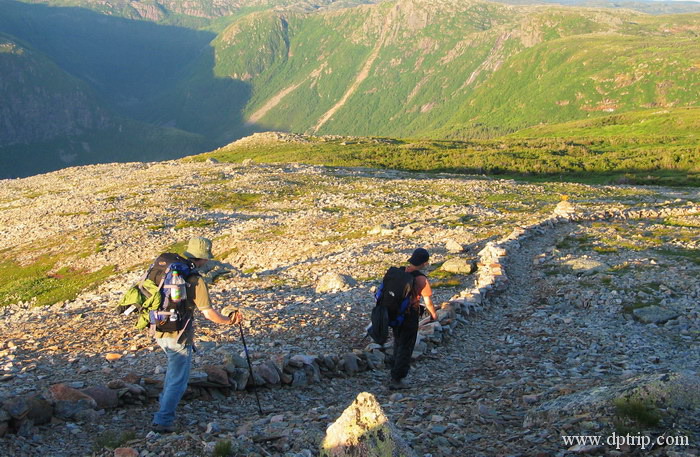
(481,383)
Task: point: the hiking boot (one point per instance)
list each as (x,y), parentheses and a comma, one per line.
(398,385)
(158,428)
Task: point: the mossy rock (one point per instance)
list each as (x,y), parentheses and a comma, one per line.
(677,391)
(363,430)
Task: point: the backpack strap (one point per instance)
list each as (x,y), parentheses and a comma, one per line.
(148,271)
(416,274)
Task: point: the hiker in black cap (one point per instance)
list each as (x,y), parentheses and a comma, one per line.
(405,334)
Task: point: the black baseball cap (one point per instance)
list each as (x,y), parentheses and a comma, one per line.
(419,257)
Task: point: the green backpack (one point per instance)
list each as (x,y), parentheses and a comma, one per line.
(143,297)
(151,292)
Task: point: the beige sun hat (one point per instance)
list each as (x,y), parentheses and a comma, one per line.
(199,248)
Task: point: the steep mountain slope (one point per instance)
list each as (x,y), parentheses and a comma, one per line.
(455,69)
(127,62)
(50,119)
(402,68)
(200,12)
(76,88)
(585,76)
(40,101)
(196,13)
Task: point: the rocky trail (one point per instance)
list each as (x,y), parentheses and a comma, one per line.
(592,307)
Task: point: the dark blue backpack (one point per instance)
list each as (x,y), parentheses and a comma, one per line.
(393,297)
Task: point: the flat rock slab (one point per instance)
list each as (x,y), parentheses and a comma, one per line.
(586,266)
(676,390)
(458,265)
(654,314)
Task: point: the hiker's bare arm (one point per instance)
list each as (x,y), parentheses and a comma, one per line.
(430,307)
(218,318)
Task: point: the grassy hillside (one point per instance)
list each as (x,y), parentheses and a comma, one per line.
(613,149)
(460,71)
(586,76)
(682,125)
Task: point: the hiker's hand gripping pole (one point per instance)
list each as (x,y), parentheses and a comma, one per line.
(236,318)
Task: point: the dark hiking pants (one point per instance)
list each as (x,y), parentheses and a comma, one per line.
(404,341)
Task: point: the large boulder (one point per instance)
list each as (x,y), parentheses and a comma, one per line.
(216,375)
(363,430)
(235,361)
(458,265)
(16,408)
(215,268)
(69,401)
(268,372)
(454,247)
(586,266)
(382,229)
(564,209)
(351,363)
(654,314)
(676,391)
(104,396)
(334,282)
(239,377)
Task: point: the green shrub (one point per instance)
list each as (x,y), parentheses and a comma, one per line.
(445,283)
(111,439)
(229,200)
(635,413)
(223,449)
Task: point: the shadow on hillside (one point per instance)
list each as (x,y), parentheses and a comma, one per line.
(160,76)
(622,176)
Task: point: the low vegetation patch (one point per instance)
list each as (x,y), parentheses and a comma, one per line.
(39,284)
(633,414)
(229,200)
(223,449)
(112,439)
(692,255)
(198,223)
(683,223)
(446,283)
(570,152)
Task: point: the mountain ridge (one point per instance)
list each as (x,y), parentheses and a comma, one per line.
(407,68)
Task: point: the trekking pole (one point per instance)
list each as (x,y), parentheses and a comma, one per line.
(250,368)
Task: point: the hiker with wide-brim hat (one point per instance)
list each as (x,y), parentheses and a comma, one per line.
(178,346)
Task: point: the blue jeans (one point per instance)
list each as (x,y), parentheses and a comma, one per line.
(178,373)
